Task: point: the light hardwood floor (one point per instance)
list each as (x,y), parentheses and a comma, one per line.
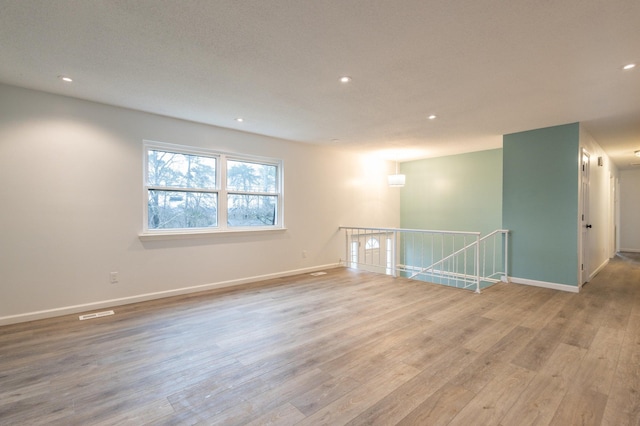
(344,348)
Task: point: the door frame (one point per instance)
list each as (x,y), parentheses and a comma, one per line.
(583,219)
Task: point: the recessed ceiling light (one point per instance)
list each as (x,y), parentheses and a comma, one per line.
(239,119)
(637,153)
(65,78)
(345,79)
(629,66)
(432,117)
(335,140)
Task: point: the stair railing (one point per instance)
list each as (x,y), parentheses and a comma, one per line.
(453,258)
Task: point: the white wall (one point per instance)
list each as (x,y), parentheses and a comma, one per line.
(601,202)
(72,198)
(630,210)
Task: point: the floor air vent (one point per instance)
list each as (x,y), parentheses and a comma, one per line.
(317,274)
(95,315)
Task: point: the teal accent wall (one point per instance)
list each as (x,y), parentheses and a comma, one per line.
(454,193)
(540,203)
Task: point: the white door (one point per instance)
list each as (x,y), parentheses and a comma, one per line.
(585,225)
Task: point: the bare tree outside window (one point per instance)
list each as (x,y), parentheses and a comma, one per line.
(176,207)
(197,189)
(249,200)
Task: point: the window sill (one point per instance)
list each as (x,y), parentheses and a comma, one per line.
(181,235)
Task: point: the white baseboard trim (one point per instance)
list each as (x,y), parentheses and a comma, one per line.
(554,286)
(629,250)
(67,310)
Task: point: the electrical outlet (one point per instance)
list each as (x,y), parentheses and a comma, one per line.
(304,254)
(113,277)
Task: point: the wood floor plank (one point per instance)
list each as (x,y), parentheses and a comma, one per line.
(580,408)
(579,329)
(494,400)
(284,415)
(538,403)
(597,368)
(536,353)
(151,412)
(408,396)
(253,407)
(507,348)
(539,317)
(491,335)
(509,311)
(623,404)
(478,373)
(355,402)
(319,397)
(440,407)
(38,409)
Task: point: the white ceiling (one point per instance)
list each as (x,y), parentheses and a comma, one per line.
(484,67)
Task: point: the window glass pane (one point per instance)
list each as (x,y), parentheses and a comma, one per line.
(251,210)
(354,254)
(372,243)
(251,177)
(178,209)
(181,170)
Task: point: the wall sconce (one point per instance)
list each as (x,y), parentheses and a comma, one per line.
(396,180)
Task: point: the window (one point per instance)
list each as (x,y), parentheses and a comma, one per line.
(372,244)
(195,190)
(181,190)
(251,193)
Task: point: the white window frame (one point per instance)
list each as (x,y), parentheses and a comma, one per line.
(220,190)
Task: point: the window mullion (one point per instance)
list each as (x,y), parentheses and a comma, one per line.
(222,194)
(175,189)
(270,194)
